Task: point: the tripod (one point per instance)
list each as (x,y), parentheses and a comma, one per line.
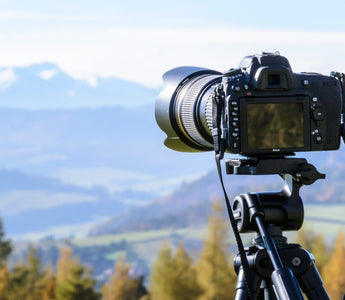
(277,269)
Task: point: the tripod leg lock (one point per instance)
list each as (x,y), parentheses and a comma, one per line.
(285,285)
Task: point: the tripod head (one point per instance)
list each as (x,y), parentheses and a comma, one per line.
(268,214)
(283,208)
(299,168)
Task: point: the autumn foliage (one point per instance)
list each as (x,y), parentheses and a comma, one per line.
(176,273)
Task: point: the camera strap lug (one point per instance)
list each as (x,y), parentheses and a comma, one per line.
(219,133)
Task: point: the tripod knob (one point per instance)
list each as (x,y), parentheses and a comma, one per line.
(309,174)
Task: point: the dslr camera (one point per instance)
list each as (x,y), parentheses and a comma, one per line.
(260,108)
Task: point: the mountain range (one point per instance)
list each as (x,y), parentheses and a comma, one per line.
(191,204)
(65,164)
(45,86)
(69,167)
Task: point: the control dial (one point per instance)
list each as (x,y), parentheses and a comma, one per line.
(317,113)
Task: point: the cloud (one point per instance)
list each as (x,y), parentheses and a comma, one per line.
(7,77)
(15,202)
(113,179)
(144,54)
(116,180)
(48,74)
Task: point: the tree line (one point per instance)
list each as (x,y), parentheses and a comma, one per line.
(174,275)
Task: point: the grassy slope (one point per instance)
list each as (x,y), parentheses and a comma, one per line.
(326,219)
(145,243)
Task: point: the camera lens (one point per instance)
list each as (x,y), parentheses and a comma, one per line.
(184,108)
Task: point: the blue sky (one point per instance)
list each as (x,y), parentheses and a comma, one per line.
(140,40)
(314,15)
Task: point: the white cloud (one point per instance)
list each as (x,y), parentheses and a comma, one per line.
(15,202)
(48,74)
(92,81)
(116,180)
(113,179)
(7,77)
(144,54)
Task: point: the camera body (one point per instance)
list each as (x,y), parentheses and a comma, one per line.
(266,109)
(269,109)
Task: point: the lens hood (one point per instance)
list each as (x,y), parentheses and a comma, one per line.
(166,113)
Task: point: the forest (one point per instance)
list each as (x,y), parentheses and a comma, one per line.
(176,273)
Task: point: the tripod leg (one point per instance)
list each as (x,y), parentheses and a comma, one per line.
(241,286)
(267,290)
(311,283)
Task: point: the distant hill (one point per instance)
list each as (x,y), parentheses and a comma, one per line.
(114,152)
(45,86)
(74,153)
(191,204)
(69,146)
(33,203)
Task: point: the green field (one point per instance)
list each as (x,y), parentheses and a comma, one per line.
(331,212)
(325,219)
(145,244)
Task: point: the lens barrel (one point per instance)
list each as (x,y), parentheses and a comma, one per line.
(184,108)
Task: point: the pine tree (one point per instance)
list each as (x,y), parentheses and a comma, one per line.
(173,276)
(121,286)
(305,237)
(35,279)
(4,281)
(73,280)
(215,272)
(186,284)
(161,286)
(48,292)
(64,263)
(17,286)
(26,281)
(315,243)
(333,273)
(320,252)
(5,246)
(5,251)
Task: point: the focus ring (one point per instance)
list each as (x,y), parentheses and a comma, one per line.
(208,112)
(187,108)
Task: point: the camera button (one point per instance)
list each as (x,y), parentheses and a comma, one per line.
(317,137)
(305,82)
(318,114)
(234,144)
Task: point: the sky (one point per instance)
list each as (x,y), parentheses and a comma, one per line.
(140,40)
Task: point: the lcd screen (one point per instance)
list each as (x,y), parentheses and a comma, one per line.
(275,126)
